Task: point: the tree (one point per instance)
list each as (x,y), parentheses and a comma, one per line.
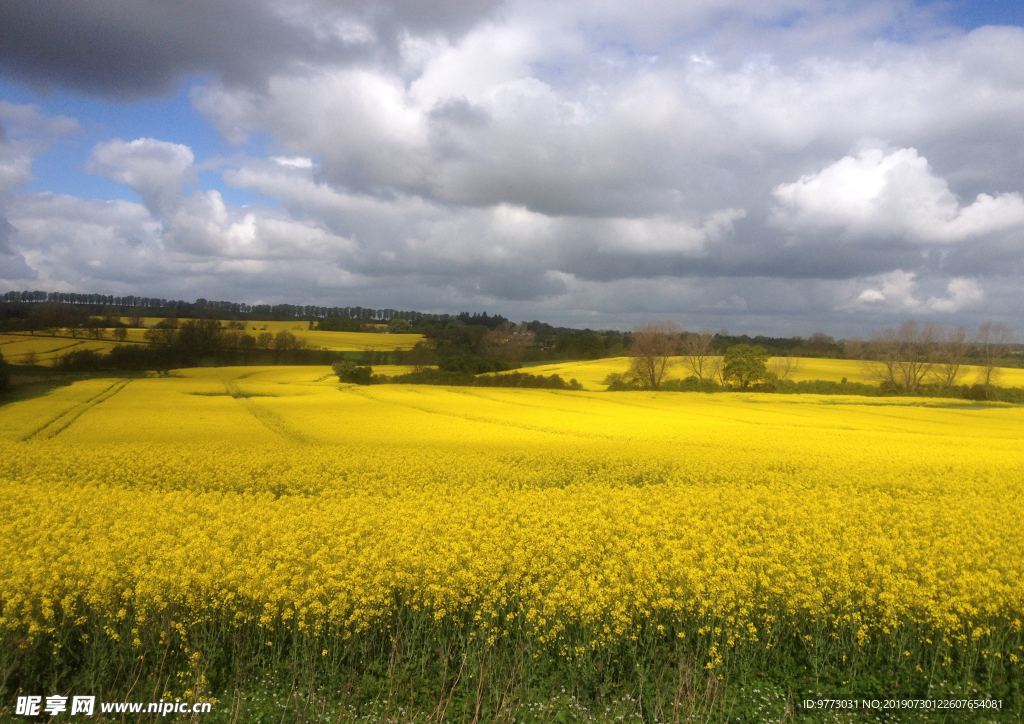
(30,358)
(163,336)
(420,356)
(746,364)
(264,340)
(853,349)
(349,372)
(951,352)
(5,379)
(992,344)
(508,341)
(651,353)
(121,333)
(199,337)
(820,343)
(783,367)
(397,325)
(50,317)
(284,340)
(905,355)
(700,356)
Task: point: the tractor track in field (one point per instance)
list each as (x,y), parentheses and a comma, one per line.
(268,418)
(61,422)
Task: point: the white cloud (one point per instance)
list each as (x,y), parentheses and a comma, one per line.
(27,119)
(296,162)
(963,293)
(882,195)
(15,166)
(655,235)
(158,171)
(896,292)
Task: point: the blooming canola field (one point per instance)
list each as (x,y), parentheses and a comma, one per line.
(591,373)
(276,499)
(49,349)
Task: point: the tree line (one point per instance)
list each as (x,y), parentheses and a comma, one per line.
(912,358)
(19,305)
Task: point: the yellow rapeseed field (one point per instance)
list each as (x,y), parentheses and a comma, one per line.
(49,349)
(279,499)
(591,374)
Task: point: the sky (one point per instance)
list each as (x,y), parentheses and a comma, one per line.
(780,167)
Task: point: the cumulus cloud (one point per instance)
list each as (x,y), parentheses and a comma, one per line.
(564,160)
(882,195)
(157,170)
(896,292)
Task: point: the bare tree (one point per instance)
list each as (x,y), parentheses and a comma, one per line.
(883,353)
(652,350)
(903,356)
(699,355)
(853,349)
(783,367)
(951,352)
(991,345)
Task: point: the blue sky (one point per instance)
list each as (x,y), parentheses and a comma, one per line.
(170,117)
(776,168)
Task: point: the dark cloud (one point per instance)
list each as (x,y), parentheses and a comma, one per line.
(761,167)
(132,48)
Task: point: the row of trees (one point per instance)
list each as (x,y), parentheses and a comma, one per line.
(107,304)
(657,347)
(900,358)
(914,354)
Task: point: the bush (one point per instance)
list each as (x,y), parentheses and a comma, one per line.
(5,380)
(465,379)
(84,360)
(350,372)
(522,379)
(690,384)
(619,382)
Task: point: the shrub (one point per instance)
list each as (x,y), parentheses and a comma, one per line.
(84,360)
(619,382)
(465,379)
(350,372)
(690,384)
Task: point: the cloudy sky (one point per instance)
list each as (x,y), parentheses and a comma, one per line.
(783,167)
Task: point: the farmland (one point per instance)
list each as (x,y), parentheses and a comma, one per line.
(591,373)
(235,520)
(49,349)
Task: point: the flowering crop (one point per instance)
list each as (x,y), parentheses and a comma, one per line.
(276,499)
(593,372)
